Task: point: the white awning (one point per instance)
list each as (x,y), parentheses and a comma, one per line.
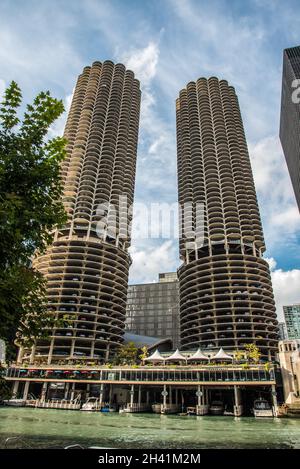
(176,356)
(198,356)
(221,355)
(155,357)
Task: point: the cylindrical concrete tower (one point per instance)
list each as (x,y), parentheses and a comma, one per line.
(226,297)
(87,266)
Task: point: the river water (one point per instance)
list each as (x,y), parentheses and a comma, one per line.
(48,428)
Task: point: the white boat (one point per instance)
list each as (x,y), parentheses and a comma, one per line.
(170,409)
(15,402)
(92,404)
(262,408)
(191,410)
(156,408)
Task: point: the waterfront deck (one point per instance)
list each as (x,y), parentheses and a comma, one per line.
(136,388)
(154,375)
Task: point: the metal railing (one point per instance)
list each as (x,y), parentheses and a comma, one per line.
(207,374)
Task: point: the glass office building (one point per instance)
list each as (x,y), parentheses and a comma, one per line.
(290,115)
(292,319)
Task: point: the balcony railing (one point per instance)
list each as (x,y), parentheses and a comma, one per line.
(201,374)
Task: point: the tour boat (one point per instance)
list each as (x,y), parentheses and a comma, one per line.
(262,408)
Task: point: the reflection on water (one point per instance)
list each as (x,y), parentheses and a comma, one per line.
(45,428)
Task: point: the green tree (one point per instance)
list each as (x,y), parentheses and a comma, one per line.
(253,352)
(30,209)
(239,355)
(144,353)
(127,354)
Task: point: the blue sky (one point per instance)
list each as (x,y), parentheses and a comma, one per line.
(44,45)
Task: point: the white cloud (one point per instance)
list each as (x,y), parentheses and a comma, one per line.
(272,263)
(279,211)
(150,260)
(286,286)
(156,163)
(143,62)
(36,48)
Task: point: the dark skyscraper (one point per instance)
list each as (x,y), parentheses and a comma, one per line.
(226,296)
(87,265)
(290,115)
(153,308)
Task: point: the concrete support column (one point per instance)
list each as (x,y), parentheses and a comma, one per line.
(73,391)
(107,352)
(15,388)
(110,393)
(165,396)
(199,395)
(147,397)
(88,386)
(101,393)
(176,396)
(32,355)
(132,395)
(238,408)
(202,403)
(26,389)
(274,400)
(44,391)
(67,386)
(92,349)
(49,360)
(170,395)
(72,347)
(140,394)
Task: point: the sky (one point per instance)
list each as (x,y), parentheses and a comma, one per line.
(45,44)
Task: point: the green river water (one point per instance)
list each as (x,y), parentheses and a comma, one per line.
(48,428)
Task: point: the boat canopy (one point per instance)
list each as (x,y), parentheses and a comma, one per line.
(155,357)
(221,355)
(198,356)
(176,356)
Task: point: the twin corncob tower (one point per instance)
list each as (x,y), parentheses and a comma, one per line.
(226,297)
(87,265)
(225,287)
